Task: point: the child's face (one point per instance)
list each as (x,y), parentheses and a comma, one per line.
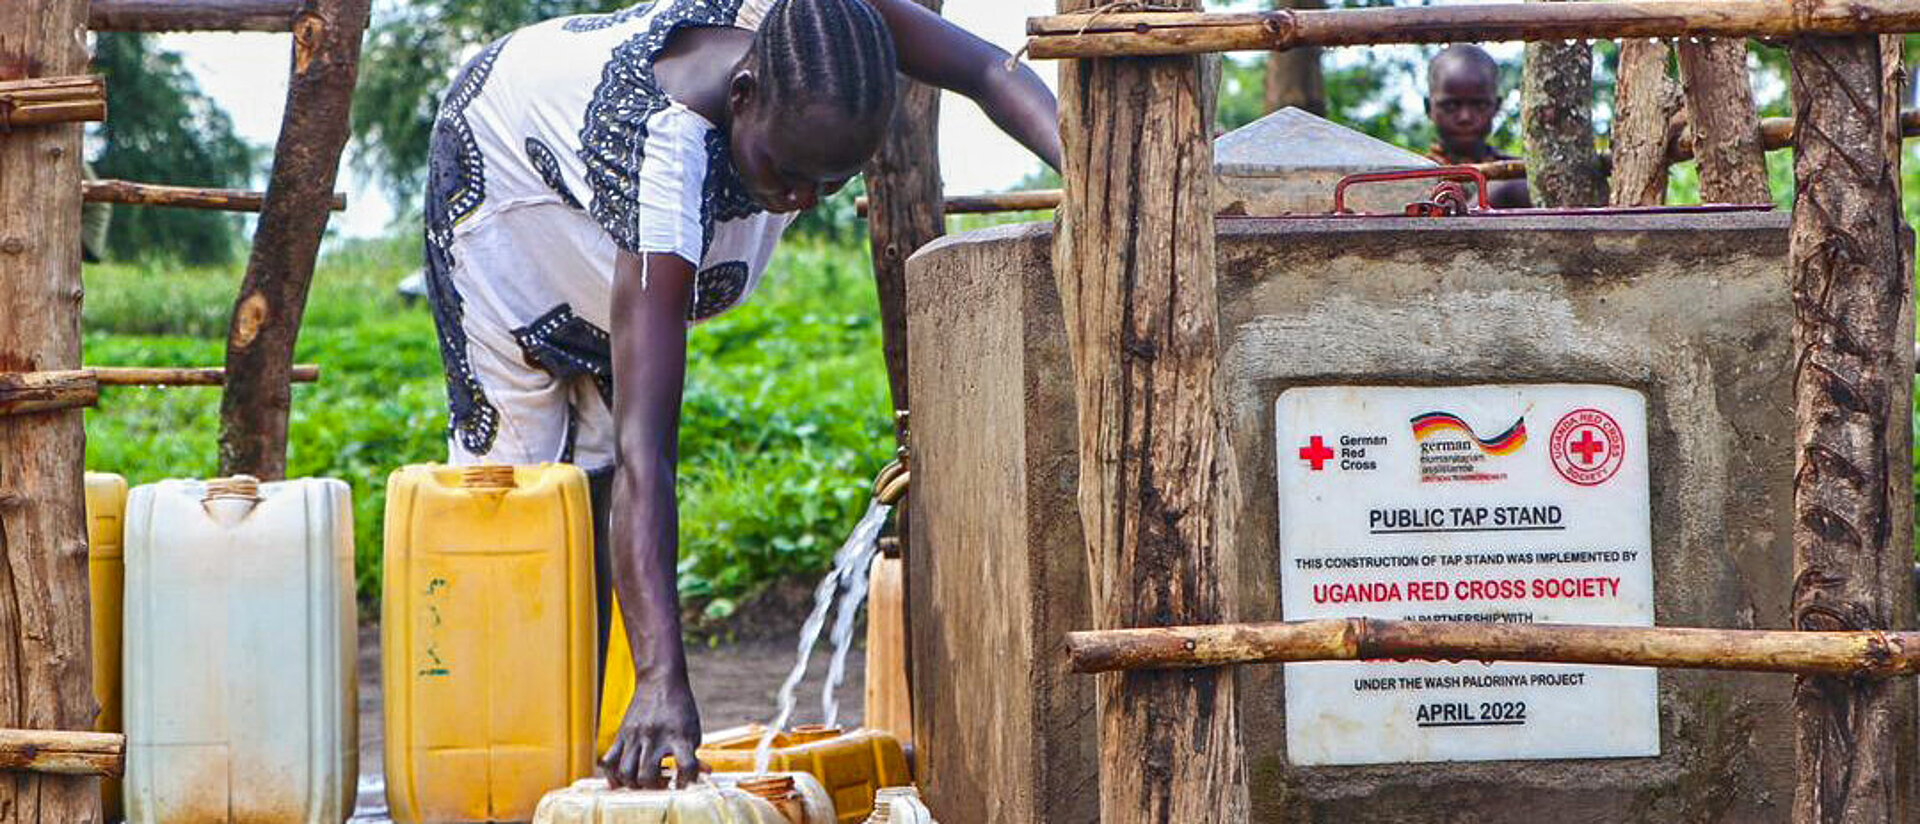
(790,160)
(1462,105)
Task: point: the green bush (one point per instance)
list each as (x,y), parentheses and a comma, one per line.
(785,415)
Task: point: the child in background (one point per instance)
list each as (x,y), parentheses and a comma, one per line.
(600,183)
(1463,95)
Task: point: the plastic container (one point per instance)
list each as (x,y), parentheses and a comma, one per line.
(616,686)
(240,652)
(107,573)
(781,798)
(487,618)
(852,765)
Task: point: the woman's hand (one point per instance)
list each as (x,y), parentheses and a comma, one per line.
(661,721)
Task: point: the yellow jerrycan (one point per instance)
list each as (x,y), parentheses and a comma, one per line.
(851,764)
(240,650)
(106,526)
(616,687)
(487,622)
(777,798)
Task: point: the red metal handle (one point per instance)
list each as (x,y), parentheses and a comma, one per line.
(1464,174)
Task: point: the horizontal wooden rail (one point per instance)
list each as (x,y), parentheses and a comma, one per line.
(63,753)
(1851,654)
(186,197)
(1775,133)
(23,393)
(1150,34)
(203,376)
(1019,201)
(192,15)
(42,101)
(28,392)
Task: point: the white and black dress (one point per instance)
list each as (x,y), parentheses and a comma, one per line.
(554,150)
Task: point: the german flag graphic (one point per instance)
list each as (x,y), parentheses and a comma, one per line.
(1428,424)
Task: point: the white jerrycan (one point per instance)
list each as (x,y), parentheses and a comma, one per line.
(239,662)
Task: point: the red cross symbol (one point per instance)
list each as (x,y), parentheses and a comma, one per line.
(1316,453)
(1587,447)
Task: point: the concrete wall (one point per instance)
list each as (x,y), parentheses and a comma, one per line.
(1693,310)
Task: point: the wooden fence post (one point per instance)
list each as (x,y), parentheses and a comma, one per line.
(1645,103)
(1725,124)
(266,317)
(1556,117)
(1853,399)
(1294,76)
(46,679)
(1134,257)
(904,213)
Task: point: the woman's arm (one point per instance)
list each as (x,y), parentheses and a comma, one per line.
(939,53)
(649,371)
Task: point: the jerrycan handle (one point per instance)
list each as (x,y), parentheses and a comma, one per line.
(230,500)
(238,487)
(488,477)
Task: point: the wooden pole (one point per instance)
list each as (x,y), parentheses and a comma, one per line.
(41,101)
(1157,33)
(63,753)
(903,182)
(1557,122)
(1646,102)
(1845,654)
(186,197)
(1775,133)
(46,672)
(273,295)
(193,15)
(190,376)
(1294,76)
(1853,385)
(1032,200)
(903,194)
(28,392)
(1134,257)
(1724,137)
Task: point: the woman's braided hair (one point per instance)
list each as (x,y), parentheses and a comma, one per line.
(837,52)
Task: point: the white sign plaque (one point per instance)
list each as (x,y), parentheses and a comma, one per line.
(1520,503)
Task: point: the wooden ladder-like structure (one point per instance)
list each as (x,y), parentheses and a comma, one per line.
(46,698)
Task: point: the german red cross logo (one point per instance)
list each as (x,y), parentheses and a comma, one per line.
(1587,447)
(1316,453)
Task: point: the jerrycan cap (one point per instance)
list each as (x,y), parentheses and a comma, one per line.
(237,487)
(808,733)
(488,477)
(779,791)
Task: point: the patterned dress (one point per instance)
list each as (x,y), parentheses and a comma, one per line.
(555,150)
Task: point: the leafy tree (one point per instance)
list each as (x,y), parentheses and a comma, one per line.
(162,129)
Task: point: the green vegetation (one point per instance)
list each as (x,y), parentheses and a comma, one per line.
(785,416)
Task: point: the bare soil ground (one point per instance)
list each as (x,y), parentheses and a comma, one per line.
(736,683)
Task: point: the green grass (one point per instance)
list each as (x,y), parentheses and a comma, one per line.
(785,416)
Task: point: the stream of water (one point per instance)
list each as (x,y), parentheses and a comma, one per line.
(850,567)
